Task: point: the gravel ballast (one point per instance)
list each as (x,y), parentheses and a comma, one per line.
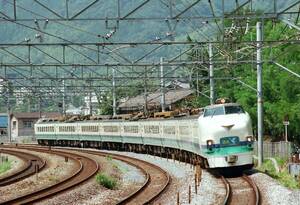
(272,192)
(210,191)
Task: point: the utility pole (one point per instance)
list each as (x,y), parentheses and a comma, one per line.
(145,93)
(64,98)
(197,83)
(114,92)
(90,98)
(162,86)
(211,75)
(260,128)
(286,123)
(40,106)
(8,114)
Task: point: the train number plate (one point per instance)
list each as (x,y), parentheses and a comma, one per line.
(229,141)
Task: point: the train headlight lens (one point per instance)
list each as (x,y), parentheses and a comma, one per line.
(249,139)
(209,142)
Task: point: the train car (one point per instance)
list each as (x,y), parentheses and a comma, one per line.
(221,136)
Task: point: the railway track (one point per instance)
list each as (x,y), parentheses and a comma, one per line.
(32,164)
(86,169)
(240,190)
(157,180)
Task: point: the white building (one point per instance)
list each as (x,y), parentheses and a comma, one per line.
(90,102)
(72,110)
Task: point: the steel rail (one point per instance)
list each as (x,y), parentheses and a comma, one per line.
(25,171)
(228,191)
(144,166)
(140,193)
(87,168)
(254,187)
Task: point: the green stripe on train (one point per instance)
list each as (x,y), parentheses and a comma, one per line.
(224,151)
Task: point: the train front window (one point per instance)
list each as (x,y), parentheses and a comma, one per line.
(233,110)
(214,111)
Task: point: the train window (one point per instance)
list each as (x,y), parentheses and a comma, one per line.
(67,129)
(233,110)
(89,128)
(184,130)
(170,130)
(151,129)
(111,128)
(131,129)
(214,111)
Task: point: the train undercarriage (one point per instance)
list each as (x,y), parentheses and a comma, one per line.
(165,152)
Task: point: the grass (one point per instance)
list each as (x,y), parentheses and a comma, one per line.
(109,158)
(106,181)
(283,177)
(115,164)
(4,166)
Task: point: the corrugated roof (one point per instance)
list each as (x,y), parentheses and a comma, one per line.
(3,121)
(26,115)
(153,99)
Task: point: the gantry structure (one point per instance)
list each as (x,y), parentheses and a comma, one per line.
(56,49)
(76,48)
(65,48)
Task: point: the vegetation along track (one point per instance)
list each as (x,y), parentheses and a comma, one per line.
(157,179)
(86,169)
(32,163)
(240,190)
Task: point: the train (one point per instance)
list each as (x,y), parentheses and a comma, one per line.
(220,136)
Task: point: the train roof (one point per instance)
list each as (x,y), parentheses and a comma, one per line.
(48,121)
(221,104)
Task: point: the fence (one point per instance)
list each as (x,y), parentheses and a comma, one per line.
(275,149)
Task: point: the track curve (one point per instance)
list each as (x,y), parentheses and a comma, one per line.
(157,179)
(87,168)
(31,161)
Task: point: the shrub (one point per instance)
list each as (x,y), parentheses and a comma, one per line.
(106,181)
(283,177)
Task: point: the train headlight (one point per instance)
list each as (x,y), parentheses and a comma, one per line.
(209,142)
(249,139)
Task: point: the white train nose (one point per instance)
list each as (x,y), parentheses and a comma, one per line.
(228,127)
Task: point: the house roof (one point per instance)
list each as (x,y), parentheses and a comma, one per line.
(153,99)
(36,115)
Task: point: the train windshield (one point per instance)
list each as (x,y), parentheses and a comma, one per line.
(233,110)
(223,110)
(214,111)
